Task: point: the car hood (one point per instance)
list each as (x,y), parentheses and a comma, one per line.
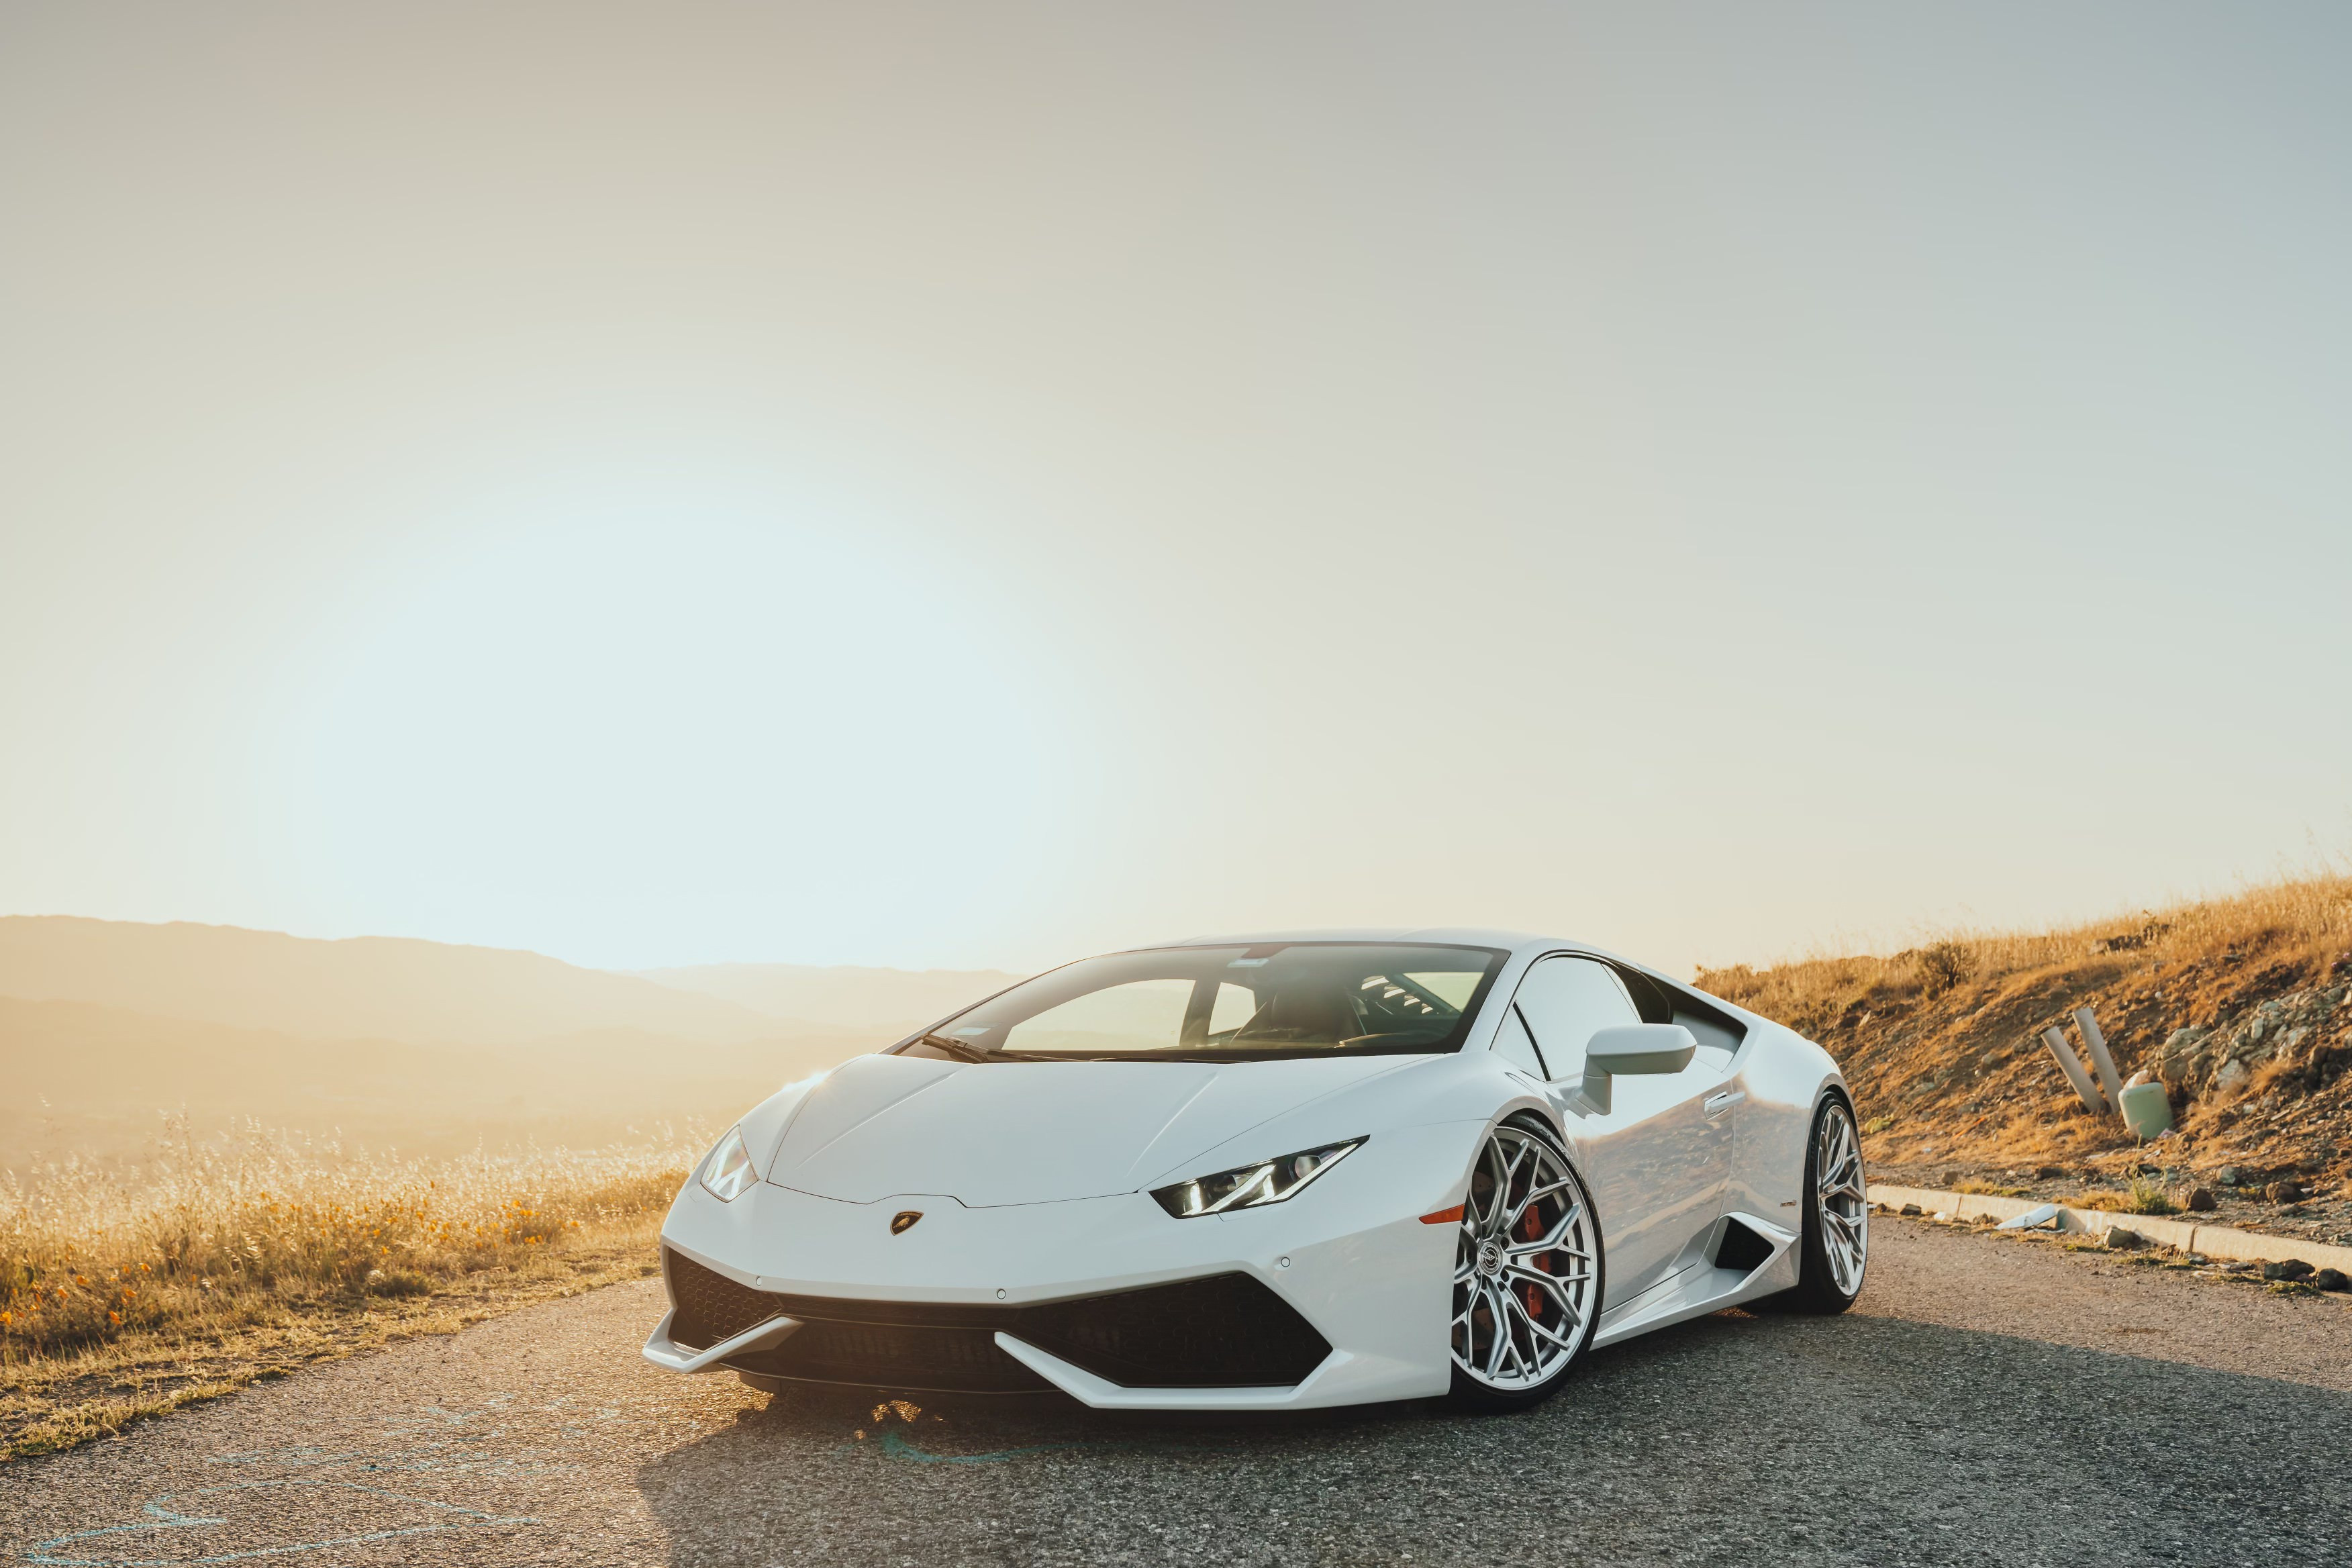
(1029,1132)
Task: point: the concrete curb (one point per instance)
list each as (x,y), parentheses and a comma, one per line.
(2212,1240)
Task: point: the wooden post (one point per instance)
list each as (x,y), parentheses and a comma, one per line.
(2109,1079)
(2055,1039)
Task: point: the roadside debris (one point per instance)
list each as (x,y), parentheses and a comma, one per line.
(2034,1218)
(2054,1037)
(2147,1110)
(2143,1103)
(2088,1027)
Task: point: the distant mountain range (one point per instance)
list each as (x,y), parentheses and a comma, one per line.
(399,988)
(894,999)
(103,1023)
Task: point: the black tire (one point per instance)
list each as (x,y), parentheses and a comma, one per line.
(1818,1288)
(1526,1305)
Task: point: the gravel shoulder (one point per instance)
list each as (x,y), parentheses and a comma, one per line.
(1989,1401)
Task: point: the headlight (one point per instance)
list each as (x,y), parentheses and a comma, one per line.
(727,1172)
(1251,1186)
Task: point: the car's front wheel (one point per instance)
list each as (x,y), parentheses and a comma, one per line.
(1526,1272)
(1834,1249)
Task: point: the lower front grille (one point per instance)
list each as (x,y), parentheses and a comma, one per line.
(895,1356)
(710,1306)
(1224,1332)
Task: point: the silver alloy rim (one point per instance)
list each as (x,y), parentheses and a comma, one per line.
(1840,1199)
(1523,1264)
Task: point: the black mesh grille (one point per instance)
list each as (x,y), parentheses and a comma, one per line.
(897,1356)
(1227,1331)
(1224,1331)
(710,1306)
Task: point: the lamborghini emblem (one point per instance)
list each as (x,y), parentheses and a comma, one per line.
(904,1221)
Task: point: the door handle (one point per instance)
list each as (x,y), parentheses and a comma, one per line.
(1717,1104)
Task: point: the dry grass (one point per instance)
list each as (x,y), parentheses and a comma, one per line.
(1941,1041)
(2305,920)
(130,1290)
(2145,1196)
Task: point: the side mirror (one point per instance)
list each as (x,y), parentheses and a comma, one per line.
(1631,1048)
(1641,1048)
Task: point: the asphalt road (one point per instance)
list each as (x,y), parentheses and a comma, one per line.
(1987,1402)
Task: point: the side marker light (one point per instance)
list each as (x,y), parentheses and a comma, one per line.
(1443,1216)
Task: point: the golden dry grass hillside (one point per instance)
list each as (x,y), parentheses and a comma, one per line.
(130,1289)
(2239,1005)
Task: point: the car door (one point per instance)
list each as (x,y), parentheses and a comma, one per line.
(1657,1160)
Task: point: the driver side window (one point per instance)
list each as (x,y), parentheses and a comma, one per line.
(1565,1002)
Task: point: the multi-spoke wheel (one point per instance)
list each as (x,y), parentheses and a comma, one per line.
(1526,1272)
(1835,1248)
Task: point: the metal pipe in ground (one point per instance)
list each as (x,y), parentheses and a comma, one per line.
(2055,1039)
(2109,1079)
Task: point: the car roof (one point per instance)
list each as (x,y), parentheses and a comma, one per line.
(1460,936)
(1518,943)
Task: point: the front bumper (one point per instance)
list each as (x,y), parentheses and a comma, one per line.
(1327,1299)
(1226,1331)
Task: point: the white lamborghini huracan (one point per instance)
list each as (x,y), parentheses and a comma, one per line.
(1276,1171)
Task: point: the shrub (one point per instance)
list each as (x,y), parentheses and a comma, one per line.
(1942,965)
(2149,1195)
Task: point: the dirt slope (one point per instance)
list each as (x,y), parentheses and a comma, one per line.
(2240,1006)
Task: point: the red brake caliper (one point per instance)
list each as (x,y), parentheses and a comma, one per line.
(1543,1262)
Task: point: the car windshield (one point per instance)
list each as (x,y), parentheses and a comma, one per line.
(1229,1004)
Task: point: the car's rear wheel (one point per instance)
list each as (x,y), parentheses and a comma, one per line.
(1835,1250)
(1526,1272)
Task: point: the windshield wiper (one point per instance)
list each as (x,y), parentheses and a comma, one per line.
(965,1051)
(962,1050)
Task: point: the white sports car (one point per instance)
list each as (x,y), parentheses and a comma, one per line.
(1274,1172)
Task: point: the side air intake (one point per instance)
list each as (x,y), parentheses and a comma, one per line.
(1741,1248)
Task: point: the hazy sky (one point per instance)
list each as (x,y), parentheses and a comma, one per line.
(967,484)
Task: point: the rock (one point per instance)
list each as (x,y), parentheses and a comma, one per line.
(2201,1201)
(2292,1268)
(2049,1173)
(1949,1179)
(2285,1191)
(2124,1240)
(2231,1176)
(1912,1209)
(2233,1073)
(2332,1279)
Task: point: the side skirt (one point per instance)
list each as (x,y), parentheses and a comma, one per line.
(1697,1287)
